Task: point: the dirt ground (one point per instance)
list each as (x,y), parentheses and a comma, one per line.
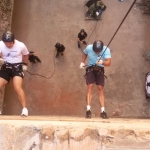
(62,90)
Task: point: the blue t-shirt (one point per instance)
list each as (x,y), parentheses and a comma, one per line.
(93,57)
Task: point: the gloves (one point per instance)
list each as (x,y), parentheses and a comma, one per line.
(97,13)
(1,61)
(82,65)
(25,67)
(99,62)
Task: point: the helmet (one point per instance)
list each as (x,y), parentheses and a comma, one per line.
(98,46)
(57,45)
(8,37)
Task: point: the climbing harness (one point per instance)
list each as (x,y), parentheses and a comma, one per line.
(13,66)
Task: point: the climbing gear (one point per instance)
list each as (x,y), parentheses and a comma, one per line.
(147,86)
(98,46)
(14,67)
(96,69)
(103,115)
(88,114)
(95,9)
(24,112)
(118,27)
(8,37)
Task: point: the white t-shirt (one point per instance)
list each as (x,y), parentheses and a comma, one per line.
(15,53)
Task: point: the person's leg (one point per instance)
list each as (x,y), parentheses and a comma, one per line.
(90,80)
(62,53)
(100,81)
(89,100)
(3,82)
(101,95)
(57,54)
(101,101)
(79,46)
(89,93)
(17,83)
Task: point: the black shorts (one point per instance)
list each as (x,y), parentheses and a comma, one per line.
(96,77)
(8,73)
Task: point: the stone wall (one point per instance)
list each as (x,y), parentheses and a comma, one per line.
(39,133)
(6,9)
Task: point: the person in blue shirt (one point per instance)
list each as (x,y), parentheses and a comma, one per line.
(99,56)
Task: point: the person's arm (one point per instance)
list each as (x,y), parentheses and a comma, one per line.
(79,38)
(26,58)
(107,62)
(85,36)
(1,60)
(82,64)
(84,56)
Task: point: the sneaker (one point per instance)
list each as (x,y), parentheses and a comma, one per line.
(24,112)
(104,115)
(88,114)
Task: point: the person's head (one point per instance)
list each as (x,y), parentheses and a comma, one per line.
(82,31)
(8,39)
(57,45)
(98,46)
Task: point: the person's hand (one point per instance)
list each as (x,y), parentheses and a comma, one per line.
(84,42)
(1,61)
(25,67)
(82,65)
(99,62)
(97,13)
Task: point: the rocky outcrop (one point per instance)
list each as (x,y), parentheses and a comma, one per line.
(6,9)
(34,134)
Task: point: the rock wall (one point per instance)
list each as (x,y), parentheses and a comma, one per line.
(37,134)
(6,9)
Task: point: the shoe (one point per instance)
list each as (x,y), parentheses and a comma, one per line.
(88,114)
(24,112)
(104,115)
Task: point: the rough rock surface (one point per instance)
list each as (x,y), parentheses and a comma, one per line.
(59,133)
(6,9)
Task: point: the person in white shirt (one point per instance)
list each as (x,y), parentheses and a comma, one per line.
(14,60)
